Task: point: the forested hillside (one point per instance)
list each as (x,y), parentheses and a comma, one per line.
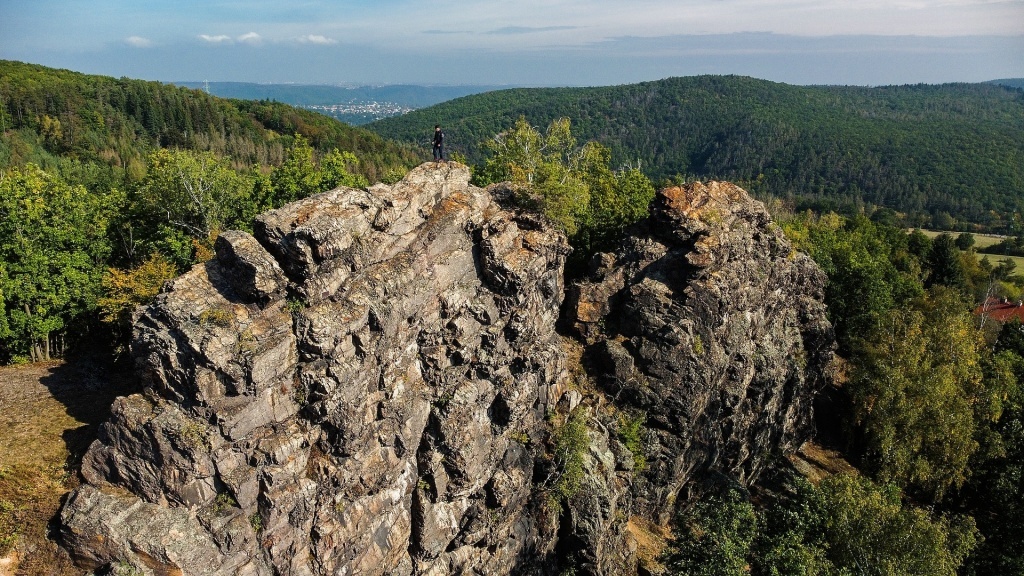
(1011,82)
(949,155)
(108,188)
(50,116)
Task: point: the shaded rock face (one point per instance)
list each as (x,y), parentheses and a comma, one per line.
(345,393)
(708,326)
(369,384)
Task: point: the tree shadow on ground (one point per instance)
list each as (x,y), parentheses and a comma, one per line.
(86,385)
(54,413)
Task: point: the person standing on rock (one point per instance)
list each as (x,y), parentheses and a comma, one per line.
(438,144)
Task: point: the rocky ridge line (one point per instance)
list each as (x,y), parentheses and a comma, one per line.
(373,384)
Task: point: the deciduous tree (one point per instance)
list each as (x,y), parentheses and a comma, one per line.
(53,246)
(184,199)
(574,186)
(916,386)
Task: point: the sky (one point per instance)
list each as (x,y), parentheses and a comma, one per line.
(521,42)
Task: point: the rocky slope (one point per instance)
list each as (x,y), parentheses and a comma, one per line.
(373,384)
(708,326)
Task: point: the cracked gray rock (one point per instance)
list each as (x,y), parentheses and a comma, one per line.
(363,425)
(363,387)
(709,326)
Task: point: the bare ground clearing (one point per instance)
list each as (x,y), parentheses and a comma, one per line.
(49,414)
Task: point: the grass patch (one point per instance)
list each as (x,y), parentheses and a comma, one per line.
(980,240)
(631,432)
(983,241)
(223,503)
(295,305)
(126,569)
(571,444)
(192,435)
(29,498)
(651,540)
(247,343)
(256,521)
(222,317)
(521,436)
(996,258)
(9,527)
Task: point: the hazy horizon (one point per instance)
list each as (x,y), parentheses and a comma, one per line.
(530,43)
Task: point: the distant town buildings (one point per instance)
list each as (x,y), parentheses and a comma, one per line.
(374,110)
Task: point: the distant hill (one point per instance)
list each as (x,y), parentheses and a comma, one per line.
(1010,82)
(952,152)
(49,116)
(354,105)
(313,94)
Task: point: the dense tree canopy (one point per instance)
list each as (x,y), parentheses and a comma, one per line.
(995,490)
(846,525)
(926,150)
(932,406)
(57,118)
(870,269)
(917,391)
(52,242)
(301,175)
(109,186)
(573,185)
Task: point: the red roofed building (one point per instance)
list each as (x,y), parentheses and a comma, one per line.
(1001,310)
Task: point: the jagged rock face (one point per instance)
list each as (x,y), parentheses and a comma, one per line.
(368,386)
(346,393)
(708,325)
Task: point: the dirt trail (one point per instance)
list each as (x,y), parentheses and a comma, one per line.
(49,414)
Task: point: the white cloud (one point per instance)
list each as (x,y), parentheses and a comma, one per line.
(497,29)
(138,41)
(250,38)
(247,38)
(317,39)
(219,38)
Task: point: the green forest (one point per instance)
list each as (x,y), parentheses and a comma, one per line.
(103,128)
(946,156)
(927,406)
(108,188)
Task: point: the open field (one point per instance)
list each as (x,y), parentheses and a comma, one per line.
(51,413)
(983,241)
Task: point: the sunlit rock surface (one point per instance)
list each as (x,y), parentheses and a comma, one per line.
(368,385)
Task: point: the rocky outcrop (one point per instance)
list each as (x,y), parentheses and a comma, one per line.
(350,392)
(708,327)
(372,384)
